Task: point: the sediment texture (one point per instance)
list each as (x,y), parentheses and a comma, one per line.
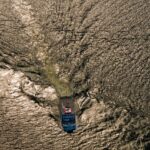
(101,47)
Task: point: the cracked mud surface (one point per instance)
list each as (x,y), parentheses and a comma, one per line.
(101,47)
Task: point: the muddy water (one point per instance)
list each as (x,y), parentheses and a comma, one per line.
(101,47)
